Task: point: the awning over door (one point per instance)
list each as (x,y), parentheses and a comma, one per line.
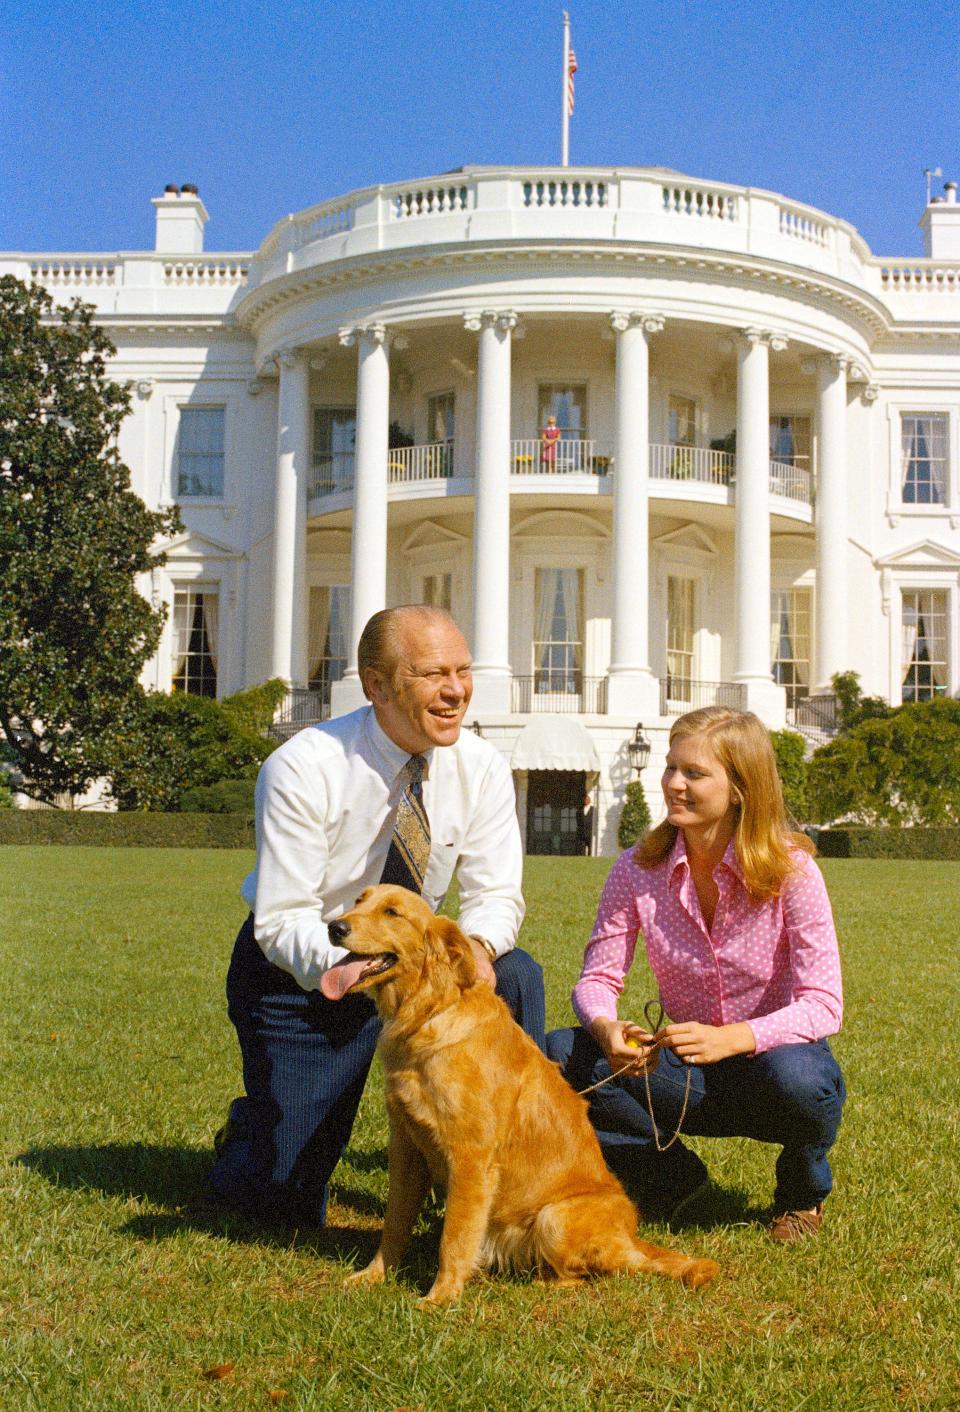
(555,743)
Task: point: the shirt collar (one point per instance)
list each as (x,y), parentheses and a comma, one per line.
(677,859)
(388,758)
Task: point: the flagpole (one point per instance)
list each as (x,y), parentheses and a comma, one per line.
(565,147)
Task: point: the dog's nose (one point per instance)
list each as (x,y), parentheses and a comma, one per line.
(338,930)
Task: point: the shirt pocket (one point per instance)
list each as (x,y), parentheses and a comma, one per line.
(443,860)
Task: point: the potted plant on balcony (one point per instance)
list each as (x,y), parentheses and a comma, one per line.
(397,440)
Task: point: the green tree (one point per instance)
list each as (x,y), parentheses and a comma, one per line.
(165,746)
(903,768)
(74,630)
(789,749)
(635,818)
(853,706)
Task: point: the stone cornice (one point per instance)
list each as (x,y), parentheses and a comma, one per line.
(847,301)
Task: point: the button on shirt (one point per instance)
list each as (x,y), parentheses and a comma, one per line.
(325,806)
(773,964)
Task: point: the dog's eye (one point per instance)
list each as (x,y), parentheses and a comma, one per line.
(390,912)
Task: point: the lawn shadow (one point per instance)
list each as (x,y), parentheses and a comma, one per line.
(174,1178)
(720,1206)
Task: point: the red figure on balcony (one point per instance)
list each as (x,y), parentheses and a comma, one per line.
(549,437)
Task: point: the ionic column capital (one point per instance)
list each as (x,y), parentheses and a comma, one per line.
(622,319)
(289,357)
(503,320)
(374,332)
(775,341)
(870,392)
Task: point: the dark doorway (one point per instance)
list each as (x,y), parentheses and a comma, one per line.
(557,821)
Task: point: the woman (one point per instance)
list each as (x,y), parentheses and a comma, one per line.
(549,437)
(740,937)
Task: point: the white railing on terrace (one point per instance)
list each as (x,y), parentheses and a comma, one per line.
(921,276)
(205,272)
(565,192)
(700,201)
(801,224)
(75,274)
(691,463)
(792,482)
(332,473)
(433,461)
(528,457)
(432,200)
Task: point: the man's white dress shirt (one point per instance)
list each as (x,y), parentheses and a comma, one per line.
(325,804)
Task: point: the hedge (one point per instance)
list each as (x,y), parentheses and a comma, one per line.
(126,829)
(861,842)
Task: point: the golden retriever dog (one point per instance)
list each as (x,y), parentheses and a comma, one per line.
(476,1107)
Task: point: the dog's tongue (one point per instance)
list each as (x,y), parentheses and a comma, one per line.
(335,983)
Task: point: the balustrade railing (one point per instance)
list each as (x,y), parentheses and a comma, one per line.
(679,694)
(332,473)
(792,482)
(694,463)
(571,695)
(528,457)
(432,461)
(816,717)
(302,706)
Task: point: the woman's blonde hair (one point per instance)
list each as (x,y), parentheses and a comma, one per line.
(764,841)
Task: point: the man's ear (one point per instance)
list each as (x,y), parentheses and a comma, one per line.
(374,685)
(458,950)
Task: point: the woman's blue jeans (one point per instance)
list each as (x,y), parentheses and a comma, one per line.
(792,1095)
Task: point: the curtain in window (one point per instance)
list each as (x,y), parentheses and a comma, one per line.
(568,626)
(546,597)
(935,622)
(211,619)
(781,645)
(317,628)
(782,443)
(908,634)
(182,613)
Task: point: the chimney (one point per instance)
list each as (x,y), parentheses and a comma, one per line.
(940,224)
(181,217)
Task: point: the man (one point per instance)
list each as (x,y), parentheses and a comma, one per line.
(394,792)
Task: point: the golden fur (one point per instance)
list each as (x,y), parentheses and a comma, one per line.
(476,1107)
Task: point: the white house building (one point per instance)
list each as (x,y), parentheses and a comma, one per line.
(756,482)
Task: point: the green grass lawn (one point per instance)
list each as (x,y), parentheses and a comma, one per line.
(119,1290)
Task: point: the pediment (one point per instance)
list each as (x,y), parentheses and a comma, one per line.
(689,536)
(428,532)
(560,524)
(192,545)
(926,553)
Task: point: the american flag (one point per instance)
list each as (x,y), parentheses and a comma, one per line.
(571,70)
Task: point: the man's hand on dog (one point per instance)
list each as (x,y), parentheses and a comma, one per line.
(485,971)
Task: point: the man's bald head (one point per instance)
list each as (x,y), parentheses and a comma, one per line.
(392,633)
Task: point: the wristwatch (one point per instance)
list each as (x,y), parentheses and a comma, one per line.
(487,945)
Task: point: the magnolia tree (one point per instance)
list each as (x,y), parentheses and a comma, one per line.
(74,630)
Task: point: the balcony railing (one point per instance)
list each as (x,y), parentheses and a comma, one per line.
(332,473)
(679,694)
(432,461)
(528,457)
(792,482)
(302,707)
(571,695)
(691,463)
(816,717)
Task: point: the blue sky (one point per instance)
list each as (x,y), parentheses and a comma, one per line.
(271,107)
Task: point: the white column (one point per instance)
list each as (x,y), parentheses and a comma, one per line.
(830,643)
(368,548)
(491,520)
(632,689)
(753,658)
(289,646)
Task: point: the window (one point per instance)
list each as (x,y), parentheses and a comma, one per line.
(924,445)
(790,641)
(923,657)
(558,641)
(568,403)
(200,443)
(327,637)
(680,605)
(682,421)
(334,438)
(195,615)
(440,426)
(437,590)
(790,440)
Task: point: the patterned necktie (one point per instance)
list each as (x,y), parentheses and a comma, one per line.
(409,851)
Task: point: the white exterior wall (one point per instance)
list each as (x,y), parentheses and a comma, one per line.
(702,262)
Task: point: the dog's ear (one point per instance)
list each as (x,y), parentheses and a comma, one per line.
(457,949)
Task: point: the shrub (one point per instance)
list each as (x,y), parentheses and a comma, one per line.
(792,768)
(166,745)
(635,818)
(131,830)
(225,797)
(889,843)
(900,769)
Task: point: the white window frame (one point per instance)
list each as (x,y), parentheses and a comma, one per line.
(896,582)
(173,405)
(197,584)
(897,509)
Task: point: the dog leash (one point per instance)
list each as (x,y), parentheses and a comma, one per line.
(659,1041)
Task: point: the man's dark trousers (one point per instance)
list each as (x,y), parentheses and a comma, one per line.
(305,1062)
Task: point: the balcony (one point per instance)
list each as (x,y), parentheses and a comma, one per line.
(569,695)
(696,466)
(681,694)
(303,706)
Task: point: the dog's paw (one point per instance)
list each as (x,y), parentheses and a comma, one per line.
(700,1272)
(440,1296)
(372,1274)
